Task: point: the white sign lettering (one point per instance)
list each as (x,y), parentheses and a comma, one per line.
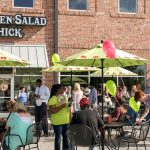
(34,21)
(6,19)
(12,32)
(19,20)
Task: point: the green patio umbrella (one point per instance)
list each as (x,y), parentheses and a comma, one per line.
(67,80)
(96,57)
(62,68)
(71,69)
(7,59)
(92,57)
(114,71)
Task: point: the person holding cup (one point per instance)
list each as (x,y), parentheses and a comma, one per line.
(60,116)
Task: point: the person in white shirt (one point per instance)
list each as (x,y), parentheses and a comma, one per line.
(42,95)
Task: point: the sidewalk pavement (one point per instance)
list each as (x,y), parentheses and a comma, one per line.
(47,143)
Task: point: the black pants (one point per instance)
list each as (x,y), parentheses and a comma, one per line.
(41,116)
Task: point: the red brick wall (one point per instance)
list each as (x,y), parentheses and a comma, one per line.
(81,30)
(33,34)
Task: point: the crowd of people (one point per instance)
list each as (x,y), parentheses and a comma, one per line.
(77,105)
(84,104)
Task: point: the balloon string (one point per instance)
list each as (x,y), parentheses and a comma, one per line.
(122,81)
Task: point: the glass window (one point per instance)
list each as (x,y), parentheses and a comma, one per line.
(28,71)
(5,93)
(23,3)
(6,70)
(129,6)
(26,77)
(140,70)
(78,4)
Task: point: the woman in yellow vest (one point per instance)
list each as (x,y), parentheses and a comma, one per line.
(60,115)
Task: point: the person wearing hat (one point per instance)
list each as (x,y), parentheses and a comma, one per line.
(87,117)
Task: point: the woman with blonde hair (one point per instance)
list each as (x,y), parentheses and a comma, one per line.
(18,122)
(77,96)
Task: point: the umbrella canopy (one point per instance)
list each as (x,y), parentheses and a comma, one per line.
(93,56)
(114,71)
(61,68)
(74,79)
(7,59)
(96,57)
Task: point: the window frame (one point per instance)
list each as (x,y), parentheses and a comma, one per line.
(87,4)
(128,12)
(13,2)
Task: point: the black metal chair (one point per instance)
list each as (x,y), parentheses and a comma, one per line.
(32,136)
(138,133)
(82,135)
(7,134)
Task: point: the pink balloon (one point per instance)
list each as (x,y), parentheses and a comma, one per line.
(109,48)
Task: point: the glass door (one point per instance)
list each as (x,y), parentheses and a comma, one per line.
(6,90)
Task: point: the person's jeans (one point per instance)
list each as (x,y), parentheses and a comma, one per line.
(61,130)
(41,116)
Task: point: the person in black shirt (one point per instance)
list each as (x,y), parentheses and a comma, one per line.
(87,117)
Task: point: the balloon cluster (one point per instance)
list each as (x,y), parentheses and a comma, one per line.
(109,49)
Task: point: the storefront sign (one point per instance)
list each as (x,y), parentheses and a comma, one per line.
(19,20)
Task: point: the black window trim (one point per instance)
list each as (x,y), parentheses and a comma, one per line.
(87,4)
(22,7)
(127,12)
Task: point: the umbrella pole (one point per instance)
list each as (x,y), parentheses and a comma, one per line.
(117,82)
(103,135)
(58,77)
(71,84)
(102,61)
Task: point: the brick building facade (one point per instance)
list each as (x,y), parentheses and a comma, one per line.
(37,40)
(79,30)
(33,35)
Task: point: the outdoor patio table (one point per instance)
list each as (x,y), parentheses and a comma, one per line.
(116,126)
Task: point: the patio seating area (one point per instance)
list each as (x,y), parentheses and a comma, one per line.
(48,143)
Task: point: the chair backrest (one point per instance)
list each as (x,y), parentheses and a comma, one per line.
(144,130)
(81,135)
(33,133)
(11,135)
(7,132)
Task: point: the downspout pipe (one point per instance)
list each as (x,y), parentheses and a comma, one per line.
(56,34)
